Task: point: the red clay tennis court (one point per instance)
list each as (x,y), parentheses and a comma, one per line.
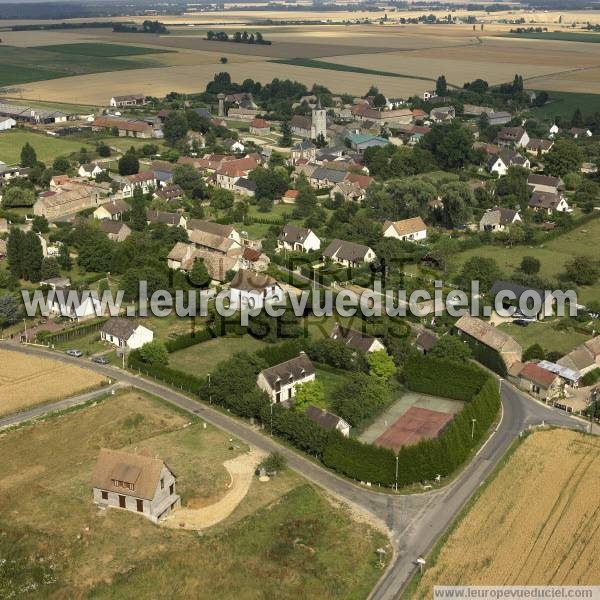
(413,426)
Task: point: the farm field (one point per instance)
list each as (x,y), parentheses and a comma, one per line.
(563,36)
(62,544)
(17,69)
(513,535)
(553,255)
(201,359)
(564,104)
(46,147)
(27,381)
(308,53)
(544,334)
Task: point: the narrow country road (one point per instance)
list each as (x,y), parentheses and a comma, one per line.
(415,522)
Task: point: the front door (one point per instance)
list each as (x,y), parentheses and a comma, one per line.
(122,501)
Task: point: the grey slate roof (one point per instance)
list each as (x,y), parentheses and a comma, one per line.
(352,338)
(119,327)
(349,251)
(323,173)
(294,234)
(294,369)
(322,417)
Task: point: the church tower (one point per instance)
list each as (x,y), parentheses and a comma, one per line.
(318,122)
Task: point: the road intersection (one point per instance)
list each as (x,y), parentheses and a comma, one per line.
(414,522)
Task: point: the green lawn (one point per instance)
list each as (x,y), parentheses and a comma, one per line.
(564,104)
(582,241)
(47,147)
(100,50)
(23,65)
(201,359)
(331,379)
(544,334)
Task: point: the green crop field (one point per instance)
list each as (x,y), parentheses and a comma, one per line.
(322,64)
(47,148)
(561,36)
(100,50)
(564,104)
(17,64)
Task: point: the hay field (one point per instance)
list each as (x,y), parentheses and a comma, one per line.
(537,522)
(26,381)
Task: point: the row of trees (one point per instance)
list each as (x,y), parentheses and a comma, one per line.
(239,37)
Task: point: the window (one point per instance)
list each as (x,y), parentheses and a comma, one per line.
(104,495)
(172,489)
(140,505)
(122,501)
(162,483)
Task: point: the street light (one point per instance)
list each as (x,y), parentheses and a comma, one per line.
(271,419)
(396,472)
(473,421)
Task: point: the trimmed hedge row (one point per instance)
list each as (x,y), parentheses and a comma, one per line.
(189,339)
(73,332)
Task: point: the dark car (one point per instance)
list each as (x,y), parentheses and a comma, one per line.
(521,322)
(100,360)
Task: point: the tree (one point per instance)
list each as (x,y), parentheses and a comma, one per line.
(154,353)
(129,163)
(286,135)
(137,217)
(221,199)
(16,197)
(64,257)
(311,392)
(583,270)
(530,265)
(32,257)
(28,156)
(534,351)
(483,270)
(96,253)
(379,101)
(565,156)
(40,224)
(175,128)
(450,347)
(190,181)
(14,252)
(9,310)
(223,60)
(381,365)
(61,164)
(199,275)
(577,118)
(50,268)
(451,145)
(103,150)
(441,87)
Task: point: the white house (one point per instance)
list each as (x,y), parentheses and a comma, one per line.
(72,304)
(348,254)
(122,332)
(7,123)
(90,170)
(134,482)
(252,290)
(412,230)
(554,129)
(280,381)
(327,420)
(298,239)
(498,219)
(356,339)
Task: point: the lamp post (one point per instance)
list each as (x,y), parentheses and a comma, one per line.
(25,323)
(271,419)
(473,421)
(396,472)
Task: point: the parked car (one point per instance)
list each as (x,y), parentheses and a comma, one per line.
(100,360)
(521,322)
(75,353)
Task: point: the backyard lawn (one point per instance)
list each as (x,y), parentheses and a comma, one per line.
(553,256)
(57,542)
(46,147)
(544,334)
(202,358)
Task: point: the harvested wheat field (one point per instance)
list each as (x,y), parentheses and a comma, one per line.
(536,523)
(26,381)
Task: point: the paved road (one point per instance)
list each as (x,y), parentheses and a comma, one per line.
(415,522)
(60,405)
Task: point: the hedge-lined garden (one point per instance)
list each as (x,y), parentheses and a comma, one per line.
(233,386)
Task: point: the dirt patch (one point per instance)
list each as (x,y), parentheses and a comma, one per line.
(241,470)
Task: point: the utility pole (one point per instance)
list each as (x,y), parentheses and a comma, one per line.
(25,323)
(271,419)
(473,421)
(396,472)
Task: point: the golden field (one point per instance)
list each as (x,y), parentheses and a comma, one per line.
(26,381)
(421,52)
(536,523)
